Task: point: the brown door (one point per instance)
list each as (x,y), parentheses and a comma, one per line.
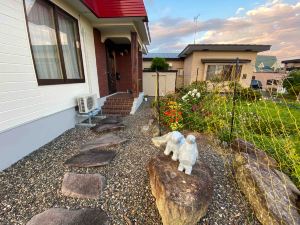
(111,68)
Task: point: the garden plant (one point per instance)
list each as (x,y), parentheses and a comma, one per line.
(228,111)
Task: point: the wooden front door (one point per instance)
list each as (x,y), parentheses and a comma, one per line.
(111,68)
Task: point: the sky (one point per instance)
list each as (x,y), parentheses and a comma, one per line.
(272,22)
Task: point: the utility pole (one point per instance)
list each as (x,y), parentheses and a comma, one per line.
(196,23)
(236,74)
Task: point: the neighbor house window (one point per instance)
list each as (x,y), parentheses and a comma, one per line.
(222,72)
(55,44)
(272,82)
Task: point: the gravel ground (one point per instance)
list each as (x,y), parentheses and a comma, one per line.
(33,184)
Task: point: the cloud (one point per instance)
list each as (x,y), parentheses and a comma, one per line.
(239,10)
(275,23)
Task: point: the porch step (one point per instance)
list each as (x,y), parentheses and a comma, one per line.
(119,104)
(123,112)
(116,107)
(126,103)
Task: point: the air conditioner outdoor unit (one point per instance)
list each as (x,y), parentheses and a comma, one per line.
(87,103)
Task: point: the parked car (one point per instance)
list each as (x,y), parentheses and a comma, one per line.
(256,84)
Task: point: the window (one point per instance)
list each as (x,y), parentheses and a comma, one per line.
(222,72)
(55,44)
(272,82)
(244,76)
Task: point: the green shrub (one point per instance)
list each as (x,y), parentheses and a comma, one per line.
(159,64)
(292,83)
(248,94)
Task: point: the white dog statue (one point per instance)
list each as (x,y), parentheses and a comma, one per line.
(175,141)
(188,154)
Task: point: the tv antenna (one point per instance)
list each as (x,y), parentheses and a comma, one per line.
(196,23)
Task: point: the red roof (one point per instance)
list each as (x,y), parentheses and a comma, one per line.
(117,8)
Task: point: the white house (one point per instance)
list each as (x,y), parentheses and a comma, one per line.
(54,51)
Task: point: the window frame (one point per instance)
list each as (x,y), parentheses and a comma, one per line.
(222,64)
(65,80)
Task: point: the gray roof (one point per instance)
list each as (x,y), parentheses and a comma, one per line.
(291,61)
(223,47)
(161,55)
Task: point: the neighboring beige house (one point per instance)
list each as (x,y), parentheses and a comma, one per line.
(174,61)
(270,80)
(202,62)
(291,64)
(210,61)
(269,73)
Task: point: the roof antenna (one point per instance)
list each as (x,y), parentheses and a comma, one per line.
(196,23)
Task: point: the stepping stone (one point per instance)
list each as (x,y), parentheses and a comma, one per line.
(111,120)
(83,185)
(91,158)
(107,127)
(107,140)
(60,216)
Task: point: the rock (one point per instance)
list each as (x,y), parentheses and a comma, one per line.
(145,129)
(91,158)
(161,141)
(111,120)
(155,131)
(107,127)
(150,122)
(180,198)
(83,185)
(60,216)
(255,153)
(106,140)
(224,144)
(272,195)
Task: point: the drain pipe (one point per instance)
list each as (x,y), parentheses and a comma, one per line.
(86,56)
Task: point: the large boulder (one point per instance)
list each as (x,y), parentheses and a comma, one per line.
(272,195)
(240,145)
(180,198)
(60,216)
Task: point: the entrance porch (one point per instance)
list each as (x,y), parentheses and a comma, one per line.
(119,70)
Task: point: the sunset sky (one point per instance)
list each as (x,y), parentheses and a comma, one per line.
(275,22)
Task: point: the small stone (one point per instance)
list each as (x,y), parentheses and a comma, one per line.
(224,144)
(83,185)
(155,131)
(150,122)
(145,128)
(91,158)
(60,216)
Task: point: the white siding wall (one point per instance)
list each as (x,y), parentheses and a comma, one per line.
(21,99)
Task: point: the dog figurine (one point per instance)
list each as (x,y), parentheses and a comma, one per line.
(188,154)
(175,141)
